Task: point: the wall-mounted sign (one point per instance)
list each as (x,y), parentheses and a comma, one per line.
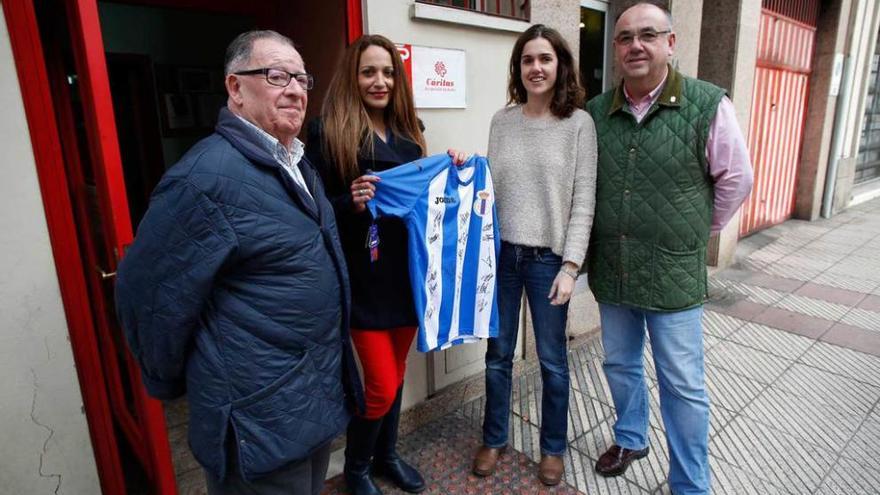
(437,76)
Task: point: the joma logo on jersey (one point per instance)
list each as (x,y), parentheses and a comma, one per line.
(444,199)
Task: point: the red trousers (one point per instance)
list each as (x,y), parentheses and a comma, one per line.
(383,357)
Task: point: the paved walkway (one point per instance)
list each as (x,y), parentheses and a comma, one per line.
(792,337)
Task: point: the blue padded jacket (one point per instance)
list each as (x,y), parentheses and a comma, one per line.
(235,292)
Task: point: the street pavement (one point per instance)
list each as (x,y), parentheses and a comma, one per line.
(792,340)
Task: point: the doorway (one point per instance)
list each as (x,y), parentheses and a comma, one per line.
(786,45)
(129,86)
(593,47)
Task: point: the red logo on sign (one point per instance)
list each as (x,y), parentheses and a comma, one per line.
(440,68)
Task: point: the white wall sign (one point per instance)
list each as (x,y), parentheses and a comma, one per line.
(437,75)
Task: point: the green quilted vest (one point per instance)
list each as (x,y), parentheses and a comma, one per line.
(654,198)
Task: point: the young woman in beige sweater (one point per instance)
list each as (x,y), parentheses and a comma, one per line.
(542,150)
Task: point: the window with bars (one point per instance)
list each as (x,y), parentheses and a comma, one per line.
(516,9)
(868,164)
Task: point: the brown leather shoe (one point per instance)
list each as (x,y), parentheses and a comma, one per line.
(617,459)
(550,470)
(486,459)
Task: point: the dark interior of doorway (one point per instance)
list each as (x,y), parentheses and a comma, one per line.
(164,61)
(592,50)
(166,80)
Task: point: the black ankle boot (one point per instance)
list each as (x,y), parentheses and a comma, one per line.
(386,461)
(360,440)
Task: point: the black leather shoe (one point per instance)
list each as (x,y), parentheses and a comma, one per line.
(617,459)
(360,441)
(406,477)
(386,462)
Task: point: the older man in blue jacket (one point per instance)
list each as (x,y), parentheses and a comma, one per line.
(235,290)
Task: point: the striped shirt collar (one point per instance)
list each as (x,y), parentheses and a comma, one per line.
(287,158)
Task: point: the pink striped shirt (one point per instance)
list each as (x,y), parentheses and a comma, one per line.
(726,152)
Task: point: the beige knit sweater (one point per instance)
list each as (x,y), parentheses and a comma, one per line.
(544,172)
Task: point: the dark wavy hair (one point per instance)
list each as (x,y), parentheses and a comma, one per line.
(568,93)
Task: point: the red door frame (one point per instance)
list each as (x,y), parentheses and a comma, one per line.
(54,188)
(27,52)
(40,114)
(354,20)
(149,427)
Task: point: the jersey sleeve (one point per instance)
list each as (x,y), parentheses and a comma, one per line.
(400,187)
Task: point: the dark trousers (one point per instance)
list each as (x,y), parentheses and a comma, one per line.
(303,477)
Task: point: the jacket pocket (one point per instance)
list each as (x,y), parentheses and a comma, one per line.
(273,387)
(677,278)
(288,419)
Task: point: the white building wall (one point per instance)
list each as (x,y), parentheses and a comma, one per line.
(44,438)
(487,52)
(487,41)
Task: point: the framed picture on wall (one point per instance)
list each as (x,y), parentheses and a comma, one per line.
(178,111)
(190,98)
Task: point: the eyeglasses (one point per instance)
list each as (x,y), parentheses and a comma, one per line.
(645,37)
(281,78)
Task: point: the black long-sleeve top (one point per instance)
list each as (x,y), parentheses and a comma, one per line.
(381,295)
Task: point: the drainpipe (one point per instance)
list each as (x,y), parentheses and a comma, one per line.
(837,135)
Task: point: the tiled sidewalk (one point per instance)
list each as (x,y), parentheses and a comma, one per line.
(792,337)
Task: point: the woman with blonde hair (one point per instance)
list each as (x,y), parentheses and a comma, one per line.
(369,124)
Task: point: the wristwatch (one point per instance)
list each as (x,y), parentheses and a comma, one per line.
(571,273)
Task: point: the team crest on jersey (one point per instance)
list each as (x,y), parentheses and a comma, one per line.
(483,203)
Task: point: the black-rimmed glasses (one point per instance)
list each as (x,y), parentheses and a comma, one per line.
(645,37)
(281,78)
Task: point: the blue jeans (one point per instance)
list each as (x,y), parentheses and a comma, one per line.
(533,269)
(677,344)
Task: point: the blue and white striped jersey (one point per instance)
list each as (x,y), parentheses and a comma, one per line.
(453,245)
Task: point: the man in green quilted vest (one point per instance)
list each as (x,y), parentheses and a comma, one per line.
(673,168)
